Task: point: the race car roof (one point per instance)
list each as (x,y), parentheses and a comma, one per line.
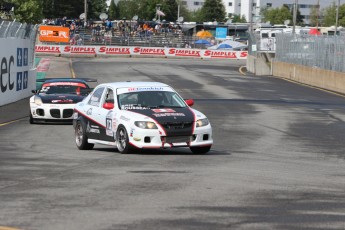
(129,84)
(80,80)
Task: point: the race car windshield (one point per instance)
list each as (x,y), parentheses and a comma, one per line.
(150,99)
(63,89)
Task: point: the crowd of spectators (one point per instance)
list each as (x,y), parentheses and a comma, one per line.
(102,30)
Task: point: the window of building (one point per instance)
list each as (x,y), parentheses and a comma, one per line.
(196,3)
(269,4)
(230,3)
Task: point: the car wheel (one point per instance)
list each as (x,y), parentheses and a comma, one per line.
(81,138)
(122,142)
(200,150)
(31,119)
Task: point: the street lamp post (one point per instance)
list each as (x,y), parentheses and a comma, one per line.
(294,17)
(337,18)
(85,11)
(158,12)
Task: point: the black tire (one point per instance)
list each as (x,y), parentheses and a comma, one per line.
(81,138)
(31,119)
(200,150)
(122,141)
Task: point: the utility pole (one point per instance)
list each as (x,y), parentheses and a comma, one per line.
(318,14)
(250,15)
(85,11)
(337,18)
(294,17)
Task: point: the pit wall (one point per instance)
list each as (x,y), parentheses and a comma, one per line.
(259,65)
(325,79)
(17,72)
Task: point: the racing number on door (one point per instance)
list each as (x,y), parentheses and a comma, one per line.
(109,126)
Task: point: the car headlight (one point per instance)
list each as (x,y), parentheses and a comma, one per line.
(145,125)
(38,100)
(202,122)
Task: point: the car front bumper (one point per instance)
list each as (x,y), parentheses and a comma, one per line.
(52,111)
(146,138)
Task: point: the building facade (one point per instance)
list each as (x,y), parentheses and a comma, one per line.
(243,7)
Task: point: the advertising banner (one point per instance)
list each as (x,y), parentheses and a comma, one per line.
(17,77)
(54,34)
(140,51)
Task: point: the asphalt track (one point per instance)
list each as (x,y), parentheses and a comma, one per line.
(277,161)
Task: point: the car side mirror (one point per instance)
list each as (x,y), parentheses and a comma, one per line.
(190,102)
(108,106)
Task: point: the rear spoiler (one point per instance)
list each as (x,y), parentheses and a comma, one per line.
(66,78)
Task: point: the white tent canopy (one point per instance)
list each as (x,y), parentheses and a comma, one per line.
(232,45)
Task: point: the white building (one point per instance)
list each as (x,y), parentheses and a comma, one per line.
(242,7)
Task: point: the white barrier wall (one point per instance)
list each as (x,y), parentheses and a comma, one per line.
(140,51)
(17,76)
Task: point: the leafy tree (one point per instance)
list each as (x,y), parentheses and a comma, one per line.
(28,11)
(314,16)
(113,11)
(170,8)
(329,13)
(95,8)
(277,15)
(238,19)
(213,10)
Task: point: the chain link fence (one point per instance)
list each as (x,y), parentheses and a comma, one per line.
(13,29)
(325,52)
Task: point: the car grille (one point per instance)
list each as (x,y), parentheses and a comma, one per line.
(177,125)
(67,113)
(55,113)
(177,139)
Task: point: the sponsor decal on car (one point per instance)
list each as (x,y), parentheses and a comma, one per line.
(61,101)
(169,114)
(92,128)
(163,110)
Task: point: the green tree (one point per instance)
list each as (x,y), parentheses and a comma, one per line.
(329,15)
(238,19)
(276,15)
(184,12)
(113,11)
(95,8)
(213,10)
(28,11)
(170,7)
(314,16)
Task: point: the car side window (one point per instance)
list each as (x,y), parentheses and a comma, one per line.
(109,96)
(96,97)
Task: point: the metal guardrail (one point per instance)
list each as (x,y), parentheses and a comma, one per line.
(325,52)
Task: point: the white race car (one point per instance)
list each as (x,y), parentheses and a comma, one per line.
(56,98)
(136,115)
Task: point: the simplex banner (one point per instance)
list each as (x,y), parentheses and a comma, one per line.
(140,51)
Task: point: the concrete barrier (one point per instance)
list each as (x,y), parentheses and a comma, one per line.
(325,79)
(259,65)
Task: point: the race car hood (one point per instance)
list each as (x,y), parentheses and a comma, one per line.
(174,121)
(61,99)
